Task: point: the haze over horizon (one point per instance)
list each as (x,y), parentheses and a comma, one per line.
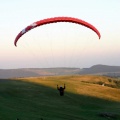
(59,44)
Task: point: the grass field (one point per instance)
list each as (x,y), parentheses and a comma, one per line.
(86,98)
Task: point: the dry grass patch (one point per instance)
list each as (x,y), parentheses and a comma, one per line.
(85,85)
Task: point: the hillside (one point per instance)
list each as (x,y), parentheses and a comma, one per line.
(36,72)
(102,70)
(38,99)
(84,84)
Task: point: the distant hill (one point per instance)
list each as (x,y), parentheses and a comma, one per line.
(102,70)
(36,72)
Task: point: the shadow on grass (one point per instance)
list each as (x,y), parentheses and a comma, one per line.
(30,101)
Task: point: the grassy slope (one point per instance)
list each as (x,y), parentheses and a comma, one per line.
(35,98)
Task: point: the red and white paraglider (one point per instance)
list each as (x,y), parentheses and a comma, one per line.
(55,20)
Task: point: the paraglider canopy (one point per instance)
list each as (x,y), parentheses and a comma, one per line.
(55,20)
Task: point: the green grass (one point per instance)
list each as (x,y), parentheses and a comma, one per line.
(36,98)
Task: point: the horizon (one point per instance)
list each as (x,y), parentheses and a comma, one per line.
(59,67)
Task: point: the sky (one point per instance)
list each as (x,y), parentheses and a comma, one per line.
(59,44)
